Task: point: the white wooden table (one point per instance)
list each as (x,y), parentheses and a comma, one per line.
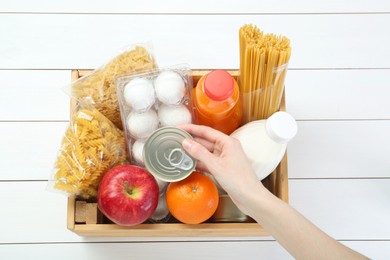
(337,87)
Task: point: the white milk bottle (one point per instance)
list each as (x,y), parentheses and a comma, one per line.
(265,141)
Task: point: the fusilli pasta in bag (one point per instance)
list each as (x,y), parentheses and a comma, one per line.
(92,144)
(98,88)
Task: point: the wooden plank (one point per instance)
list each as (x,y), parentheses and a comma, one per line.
(311,94)
(78,211)
(372,249)
(346,39)
(176,250)
(340,149)
(321,149)
(202,6)
(94,216)
(29,149)
(173,251)
(71,207)
(355,209)
(33,95)
(205,230)
(338,94)
(345,208)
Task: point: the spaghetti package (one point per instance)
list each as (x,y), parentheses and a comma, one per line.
(263,66)
(92,144)
(98,88)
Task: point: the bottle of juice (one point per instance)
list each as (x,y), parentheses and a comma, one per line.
(216,101)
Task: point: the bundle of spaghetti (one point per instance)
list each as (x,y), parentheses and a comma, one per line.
(91,146)
(98,88)
(263,65)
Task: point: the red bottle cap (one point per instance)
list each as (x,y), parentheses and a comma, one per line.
(218,85)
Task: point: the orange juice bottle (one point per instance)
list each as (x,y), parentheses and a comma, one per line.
(216,101)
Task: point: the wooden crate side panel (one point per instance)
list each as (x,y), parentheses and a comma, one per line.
(172,230)
(71,214)
(281,180)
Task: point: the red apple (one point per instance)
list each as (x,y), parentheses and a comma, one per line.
(128,195)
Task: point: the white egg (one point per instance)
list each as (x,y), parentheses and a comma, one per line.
(169,87)
(174,115)
(162,210)
(141,125)
(137,150)
(139,94)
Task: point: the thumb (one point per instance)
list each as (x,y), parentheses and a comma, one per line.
(197,151)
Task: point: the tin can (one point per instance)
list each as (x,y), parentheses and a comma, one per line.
(228,212)
(165,157)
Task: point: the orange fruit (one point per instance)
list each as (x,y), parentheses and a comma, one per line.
(192,200)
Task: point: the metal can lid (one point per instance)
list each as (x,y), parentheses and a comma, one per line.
(165,157)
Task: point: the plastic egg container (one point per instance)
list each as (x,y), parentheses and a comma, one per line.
(152,100)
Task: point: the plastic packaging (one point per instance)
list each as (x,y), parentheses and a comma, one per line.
(161,214)
(91,145)
(265,141)
(172,104)
(262,101)
(98,88)
(149,101)
(217,102)
(264,60)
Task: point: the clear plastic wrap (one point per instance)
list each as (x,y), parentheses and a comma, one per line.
(264,99)
(92,144)
(98,88)
(152,100)
(263,66)
(161,214)
(147,102)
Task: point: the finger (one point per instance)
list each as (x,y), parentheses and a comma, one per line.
(198,151)
(200,166)
(209,145)
(205,132)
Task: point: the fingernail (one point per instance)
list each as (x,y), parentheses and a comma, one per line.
(187,144)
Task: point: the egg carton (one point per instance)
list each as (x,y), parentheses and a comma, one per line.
(151,100)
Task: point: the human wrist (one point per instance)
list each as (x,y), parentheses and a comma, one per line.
(258,199)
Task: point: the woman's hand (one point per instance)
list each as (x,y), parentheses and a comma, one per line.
(223,157)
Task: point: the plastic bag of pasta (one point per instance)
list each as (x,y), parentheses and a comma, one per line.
(98,88)
(91,145)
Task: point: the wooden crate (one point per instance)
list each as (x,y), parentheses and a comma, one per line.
(92,223)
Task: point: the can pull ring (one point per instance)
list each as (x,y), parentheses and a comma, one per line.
(179,159)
